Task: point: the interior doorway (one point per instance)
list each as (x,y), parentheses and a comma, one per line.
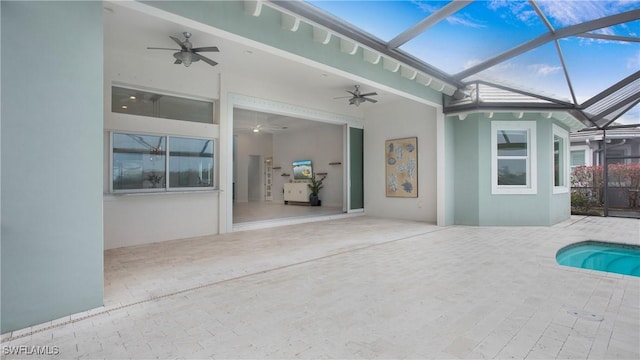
(265,147)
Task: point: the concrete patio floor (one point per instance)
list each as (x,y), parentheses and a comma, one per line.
(359,287)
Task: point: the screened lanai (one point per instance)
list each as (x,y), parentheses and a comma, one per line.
(580,58)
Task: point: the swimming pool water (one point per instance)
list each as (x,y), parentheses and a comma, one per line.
(602,256)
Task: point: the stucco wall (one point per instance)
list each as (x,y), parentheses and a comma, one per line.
(475,203)
(398,120)
(52,124)
(466,171)
(136,219)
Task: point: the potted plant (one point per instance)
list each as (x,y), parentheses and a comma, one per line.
(315,187)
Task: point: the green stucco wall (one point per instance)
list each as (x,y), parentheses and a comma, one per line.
(449,171)
(467,188)
(52,250)
(474,202)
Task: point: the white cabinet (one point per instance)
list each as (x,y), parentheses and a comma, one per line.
(296,192)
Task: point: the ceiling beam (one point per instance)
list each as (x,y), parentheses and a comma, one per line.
(548,37)
(544,19)
(428,22)
(566,72)
(610,37)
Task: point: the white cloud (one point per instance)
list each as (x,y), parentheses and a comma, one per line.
(425,6)
(517,8)
(458,18)
(544,69)
(566,13)
(633,63)
(563,13)
(464,20)
(471,63)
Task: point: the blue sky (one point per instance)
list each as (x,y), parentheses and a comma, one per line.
(486,28)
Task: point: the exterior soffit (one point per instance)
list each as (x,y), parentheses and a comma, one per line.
(298,39)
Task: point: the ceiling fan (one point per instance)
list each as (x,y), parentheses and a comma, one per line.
(359,98)
(187,54)
(269,128)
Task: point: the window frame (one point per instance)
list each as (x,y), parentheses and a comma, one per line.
(213,165)
(564,135)
(156,92)
(531,186)
(167,187)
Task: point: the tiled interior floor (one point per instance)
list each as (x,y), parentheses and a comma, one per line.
(266,210)
(360,287)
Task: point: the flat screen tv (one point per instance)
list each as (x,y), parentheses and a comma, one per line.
(302,170)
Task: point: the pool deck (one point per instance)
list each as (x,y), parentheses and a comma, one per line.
(359,287)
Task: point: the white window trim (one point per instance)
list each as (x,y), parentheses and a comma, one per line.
(585,150)
(564,135)
(532,162)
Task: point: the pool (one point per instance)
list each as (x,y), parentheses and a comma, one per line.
(602,256)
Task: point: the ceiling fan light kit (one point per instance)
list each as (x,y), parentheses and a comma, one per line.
(358,98)
(187,54)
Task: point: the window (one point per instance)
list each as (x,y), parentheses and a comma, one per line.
(139,102)
(513,153)
(578,158)
(560,160)
(140,163)
(190,163)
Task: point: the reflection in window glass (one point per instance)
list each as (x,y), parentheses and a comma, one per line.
(512,143)
(512,172)
(190,163)
(138,161)
(144,103)
(512,156)
(513,153)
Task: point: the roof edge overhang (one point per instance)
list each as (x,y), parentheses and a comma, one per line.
(518,113)
(345,29)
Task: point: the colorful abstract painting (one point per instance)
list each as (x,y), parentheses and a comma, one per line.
(401,163)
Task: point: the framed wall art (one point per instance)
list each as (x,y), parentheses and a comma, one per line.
(401,165)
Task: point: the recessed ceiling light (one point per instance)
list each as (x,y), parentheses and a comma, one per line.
(255,130)
(124,106)
(132,97)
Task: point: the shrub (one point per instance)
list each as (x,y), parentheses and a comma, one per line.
(587,183)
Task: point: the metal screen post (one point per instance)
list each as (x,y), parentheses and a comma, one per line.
(605,172)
